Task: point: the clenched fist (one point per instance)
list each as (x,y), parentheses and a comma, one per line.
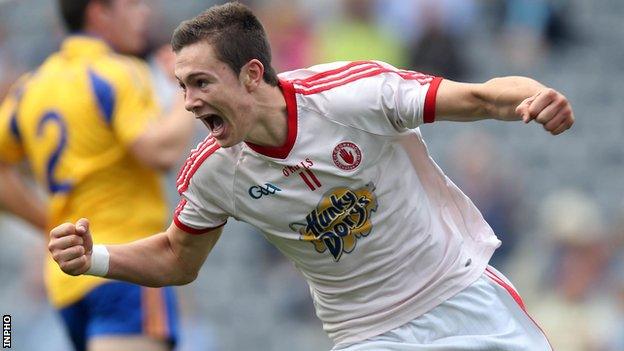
(549,108)
(71,246)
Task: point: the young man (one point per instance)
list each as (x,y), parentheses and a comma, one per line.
(88,123)
(329,163)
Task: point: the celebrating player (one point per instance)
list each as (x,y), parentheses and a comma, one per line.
(88,123)
(329,163)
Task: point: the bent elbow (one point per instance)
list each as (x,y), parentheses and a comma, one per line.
(162,166)
(171,280)
(156,155)
(187,278)
(159,161)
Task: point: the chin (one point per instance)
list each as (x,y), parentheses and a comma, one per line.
(231,144)
(225,143)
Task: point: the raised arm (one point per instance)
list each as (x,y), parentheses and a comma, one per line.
(173,257)
(156,137)
(166,140)
(507,99)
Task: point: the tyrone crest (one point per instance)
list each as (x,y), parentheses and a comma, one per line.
(347,156)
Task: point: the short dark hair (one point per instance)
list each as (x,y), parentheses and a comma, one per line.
(234,32)
(74,12)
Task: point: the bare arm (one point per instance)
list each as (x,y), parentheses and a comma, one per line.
(173,257)
(164,142)
(19,199)
(507,99)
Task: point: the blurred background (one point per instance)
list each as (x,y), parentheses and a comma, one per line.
(557,203)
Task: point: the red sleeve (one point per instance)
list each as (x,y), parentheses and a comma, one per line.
(430,100)
(186,228)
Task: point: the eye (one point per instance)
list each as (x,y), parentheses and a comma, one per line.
(202,84)
(182,86)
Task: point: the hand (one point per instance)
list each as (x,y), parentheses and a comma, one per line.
(71,246)
(548,108)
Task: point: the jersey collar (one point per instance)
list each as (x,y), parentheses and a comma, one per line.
(283,151)
(79,45)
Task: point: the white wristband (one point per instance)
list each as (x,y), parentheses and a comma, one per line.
(99,261)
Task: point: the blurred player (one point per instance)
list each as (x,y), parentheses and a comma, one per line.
(17,198)
(329,163)
(88,123)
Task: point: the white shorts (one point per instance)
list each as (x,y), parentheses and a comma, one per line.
(488,315)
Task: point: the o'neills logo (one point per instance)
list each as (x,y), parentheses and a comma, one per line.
(347,156)
(342,217)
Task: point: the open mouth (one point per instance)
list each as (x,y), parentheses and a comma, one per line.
(215,123)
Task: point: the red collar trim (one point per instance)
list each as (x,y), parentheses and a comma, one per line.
(291,108)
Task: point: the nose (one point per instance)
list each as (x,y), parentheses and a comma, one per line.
(191,102)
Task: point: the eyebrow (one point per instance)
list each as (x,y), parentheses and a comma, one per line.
(195,74)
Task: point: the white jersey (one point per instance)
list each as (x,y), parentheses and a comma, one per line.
(352,198)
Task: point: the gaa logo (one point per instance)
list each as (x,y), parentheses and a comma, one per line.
(258,191)
(347,156)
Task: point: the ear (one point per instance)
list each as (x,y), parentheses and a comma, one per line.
(97,14)
(252,74)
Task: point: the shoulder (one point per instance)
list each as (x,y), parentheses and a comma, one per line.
(305,73)
(207,161)
(121,71)
(323,77)
(17,88)
(372,96)
(11,101)
(132,66)
(353,74)
(123,82)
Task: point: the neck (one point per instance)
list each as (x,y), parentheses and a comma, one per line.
(272,123)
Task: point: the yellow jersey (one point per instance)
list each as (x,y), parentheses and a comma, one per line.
(74,119)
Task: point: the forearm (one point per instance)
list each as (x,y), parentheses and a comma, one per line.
(494,99)
(152,261)
(165,141)
(174,133)
(21,200)
(170,258)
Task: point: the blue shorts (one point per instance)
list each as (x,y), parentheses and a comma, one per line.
(119,308)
